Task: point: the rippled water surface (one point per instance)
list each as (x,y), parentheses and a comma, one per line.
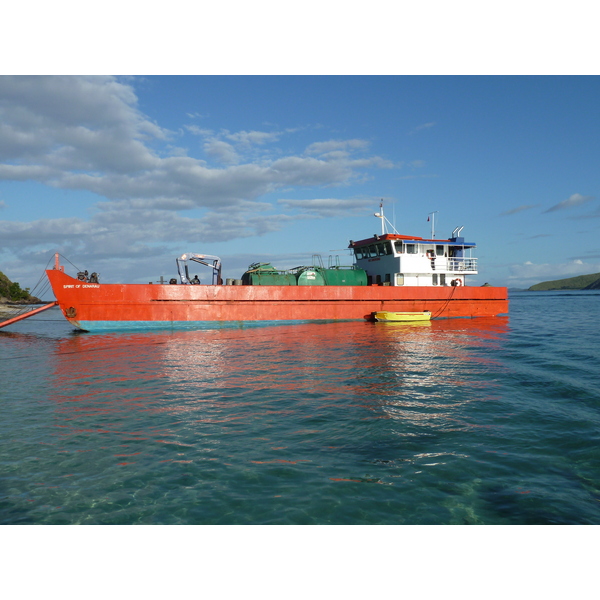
(464,421)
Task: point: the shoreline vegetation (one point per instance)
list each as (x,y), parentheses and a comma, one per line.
(582,282)
(11,293)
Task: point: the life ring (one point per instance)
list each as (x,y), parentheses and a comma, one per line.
(430,254)
(456,282)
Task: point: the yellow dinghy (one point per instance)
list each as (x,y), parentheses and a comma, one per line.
(396,317)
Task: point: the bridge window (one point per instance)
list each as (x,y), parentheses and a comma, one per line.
(384,249)
(439,250)
(411,248)
(399,247)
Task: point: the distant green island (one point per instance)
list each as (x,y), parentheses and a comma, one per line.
(582,282)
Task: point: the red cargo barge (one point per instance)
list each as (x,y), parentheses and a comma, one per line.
(391,272)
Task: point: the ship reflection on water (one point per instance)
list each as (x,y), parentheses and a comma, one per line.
(425,375)
(417,373)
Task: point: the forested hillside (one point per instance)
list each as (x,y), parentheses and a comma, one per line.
(582,282)
(12,292)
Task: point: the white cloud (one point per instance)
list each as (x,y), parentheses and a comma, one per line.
(199,131)
(87,133)
(74,123)
(335,145)
(518,209)
(331,207)
(253,137)
(570,202)
(417,164)
(222,151)
(422,127)
(27,173)
(528,273)
(132,234)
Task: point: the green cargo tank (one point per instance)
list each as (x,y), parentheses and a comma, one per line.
(334,276)
(266,274)
(347,276)
(309,276)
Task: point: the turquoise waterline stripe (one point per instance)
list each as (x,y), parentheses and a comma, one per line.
(93,326)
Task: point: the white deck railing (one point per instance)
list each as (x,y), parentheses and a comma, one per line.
(462,264)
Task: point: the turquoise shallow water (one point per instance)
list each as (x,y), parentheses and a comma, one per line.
(464,421)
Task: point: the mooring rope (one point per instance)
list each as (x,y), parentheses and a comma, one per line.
(445,305)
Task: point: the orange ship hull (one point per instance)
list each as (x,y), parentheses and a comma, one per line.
(94,307)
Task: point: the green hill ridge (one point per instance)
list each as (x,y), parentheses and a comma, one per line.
(12,292)
(581,282)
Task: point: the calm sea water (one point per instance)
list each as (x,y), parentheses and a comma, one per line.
(464,421)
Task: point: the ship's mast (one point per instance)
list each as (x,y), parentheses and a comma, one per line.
(381,216)
(432,215)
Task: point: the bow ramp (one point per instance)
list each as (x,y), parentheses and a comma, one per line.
(28,314)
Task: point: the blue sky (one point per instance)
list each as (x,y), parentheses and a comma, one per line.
(123,174)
